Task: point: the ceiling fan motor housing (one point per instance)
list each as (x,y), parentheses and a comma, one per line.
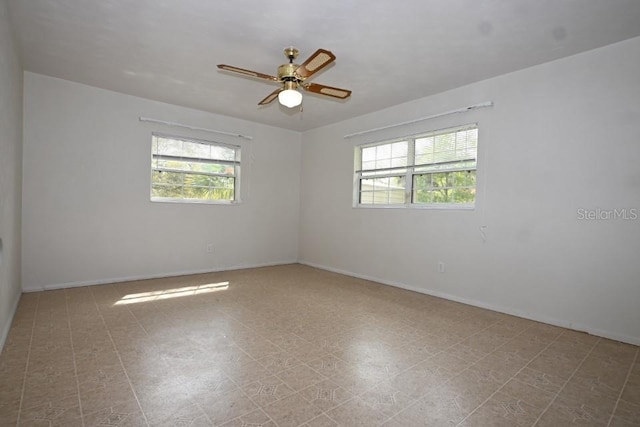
(293,76)
(286,72)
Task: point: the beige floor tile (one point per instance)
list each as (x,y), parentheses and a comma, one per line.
(38,392)
(532,396)
(321,421)
(278,362)
(485,341)
(626,414)
(498,367)
(246,372)
(631,391)
(356,413)
(325,395)
(224,404)
(109,395)
(542,333)
(503,410)
(284,344)
(202,381)
(610,350)
(176,414)
(439,407)
(434,342)
(11,387)
(561,415)
(292,411)
(9,412)
(57,412)
(522,347)
(259,348)
(464,352)
(300,377)
(328,365)
(540,380)
(360,378)
(560,362)
(420,379)
(584,404)
(577,339)
(472,388)
(602,376)
(450,362)
(255,418)
(267,390)
(166,403)
(116,416)
(386,399)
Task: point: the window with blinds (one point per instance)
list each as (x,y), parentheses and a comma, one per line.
(434,169)
(191,170)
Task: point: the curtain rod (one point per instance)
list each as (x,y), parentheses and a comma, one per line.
(434,116)
(237,135)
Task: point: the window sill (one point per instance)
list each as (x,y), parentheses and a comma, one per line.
(197,202)
(440,207)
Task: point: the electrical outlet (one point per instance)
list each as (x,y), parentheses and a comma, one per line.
(210,248)
(441,266)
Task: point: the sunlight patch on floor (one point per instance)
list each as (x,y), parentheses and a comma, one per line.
(172,293)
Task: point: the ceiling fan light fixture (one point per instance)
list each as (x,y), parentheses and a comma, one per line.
(293,76)
(290,97)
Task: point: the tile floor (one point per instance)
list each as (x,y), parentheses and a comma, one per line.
(296,346)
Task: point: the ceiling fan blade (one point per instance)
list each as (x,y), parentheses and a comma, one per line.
(316,62)
(269,99)
(247,72)
(335,92)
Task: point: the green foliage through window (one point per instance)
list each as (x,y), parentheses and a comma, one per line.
(193,170)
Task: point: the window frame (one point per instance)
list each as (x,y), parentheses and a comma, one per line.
(410,171)
(236,163)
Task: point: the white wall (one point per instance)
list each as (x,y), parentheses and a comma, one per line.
(87,217)
(10,172)
(562,136)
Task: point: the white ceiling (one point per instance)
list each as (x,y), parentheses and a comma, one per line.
(388,52)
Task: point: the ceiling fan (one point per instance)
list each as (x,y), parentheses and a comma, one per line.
(292,76)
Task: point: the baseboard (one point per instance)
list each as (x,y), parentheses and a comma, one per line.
(488,306)
(152,276)
(7,327)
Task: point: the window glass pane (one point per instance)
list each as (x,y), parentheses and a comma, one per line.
(446,142)
(167,191)
(163,177)
(383,152)
(463,195)
(194,149)
(222,153)
(399,149)
(383,163)
(366,185)
(387,190)
(385,155)
(194,173)
(369,165)
(366,197)
(447,148)
(442,169)
(172,147)
(424,146)
(369,154)
(445,187)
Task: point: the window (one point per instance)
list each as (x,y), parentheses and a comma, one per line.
(191,170)
(437,169)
